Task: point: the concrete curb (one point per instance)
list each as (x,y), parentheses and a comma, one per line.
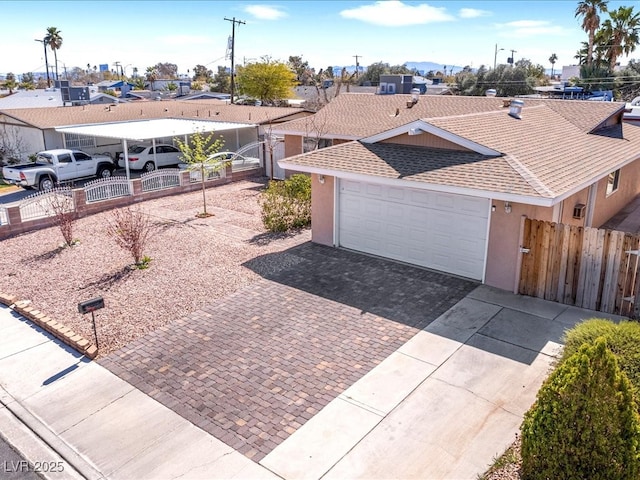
(58,330)
(47,444)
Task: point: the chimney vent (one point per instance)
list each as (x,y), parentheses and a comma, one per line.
(491,92)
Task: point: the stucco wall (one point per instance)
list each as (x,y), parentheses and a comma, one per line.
(322,200)
(502,254)
(568,205)
(292,145)
(628,189)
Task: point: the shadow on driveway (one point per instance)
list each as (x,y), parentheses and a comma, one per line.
(411,295)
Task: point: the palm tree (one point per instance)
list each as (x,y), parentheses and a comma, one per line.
(589,11)
(54,41)
(552,61)
(152,75)
(621,30)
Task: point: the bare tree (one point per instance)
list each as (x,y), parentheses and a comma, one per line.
(315,128)
(58,203)
(12,145)
(131,229)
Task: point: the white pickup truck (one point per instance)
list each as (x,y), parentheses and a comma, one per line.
(58,166)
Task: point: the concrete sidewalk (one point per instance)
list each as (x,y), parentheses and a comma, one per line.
(99,425)
(442,406)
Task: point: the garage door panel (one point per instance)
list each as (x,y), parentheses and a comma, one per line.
(436,230)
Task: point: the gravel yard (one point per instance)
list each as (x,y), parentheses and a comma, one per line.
(194,261)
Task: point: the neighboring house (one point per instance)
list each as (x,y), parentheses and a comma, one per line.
(207,96)
(33,130)
(115,85)
(183,86)
(49,97)
(445,182)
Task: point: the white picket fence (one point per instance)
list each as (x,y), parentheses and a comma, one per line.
(195,175)
(160,179)
(106,188)
(47,204)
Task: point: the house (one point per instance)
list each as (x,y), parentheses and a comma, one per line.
(444,182)
(49,97)
(115,85)
(29,130)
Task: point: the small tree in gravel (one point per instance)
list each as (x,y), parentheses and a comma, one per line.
(198,155)
(131,229)
(58,204)
(584,424)
(286,205)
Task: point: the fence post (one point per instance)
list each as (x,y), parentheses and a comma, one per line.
(13,216)
(516,280)
(80,202)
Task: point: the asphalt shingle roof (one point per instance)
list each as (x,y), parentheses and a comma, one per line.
(548,153)
(361,115)
(202,110)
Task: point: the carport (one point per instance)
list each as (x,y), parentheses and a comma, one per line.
(145,130)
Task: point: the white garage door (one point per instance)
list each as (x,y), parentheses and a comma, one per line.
(442,231)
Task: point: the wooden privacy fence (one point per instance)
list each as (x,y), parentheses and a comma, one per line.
(581,266)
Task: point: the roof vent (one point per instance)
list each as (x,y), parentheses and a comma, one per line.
(415,96)
(491,92)
(515,108)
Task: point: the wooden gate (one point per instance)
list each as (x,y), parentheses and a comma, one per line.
(581,266)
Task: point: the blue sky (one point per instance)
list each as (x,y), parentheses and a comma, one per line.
(187,33)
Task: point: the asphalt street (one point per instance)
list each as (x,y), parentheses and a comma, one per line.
(13,466)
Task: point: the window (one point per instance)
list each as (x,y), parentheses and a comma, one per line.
(313,143)
(613,181)
(73,140)
(64,158)
(81,156)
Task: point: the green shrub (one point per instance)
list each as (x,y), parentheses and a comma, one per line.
(286,205)
(623,340)
(584,424)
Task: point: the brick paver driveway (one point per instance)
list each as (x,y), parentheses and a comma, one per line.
(253,367)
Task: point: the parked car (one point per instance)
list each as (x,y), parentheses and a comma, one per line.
(56,166)
(141,157)
(238,162)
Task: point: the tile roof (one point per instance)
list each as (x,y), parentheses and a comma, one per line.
(359,115)
(202,110)
(547,154)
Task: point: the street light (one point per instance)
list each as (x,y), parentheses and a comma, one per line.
(495,56)
(46,61)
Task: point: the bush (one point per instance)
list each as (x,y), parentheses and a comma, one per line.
(623,340)
(131,230)
(286,205)
(584,424)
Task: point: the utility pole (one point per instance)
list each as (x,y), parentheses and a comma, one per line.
(121,74)
(495,56)
(512,58)
(357,64)
(233,46)
(46,61)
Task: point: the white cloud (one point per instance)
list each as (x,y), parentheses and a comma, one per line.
(529,28)
(472,13)
(264,12)
(394,13)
